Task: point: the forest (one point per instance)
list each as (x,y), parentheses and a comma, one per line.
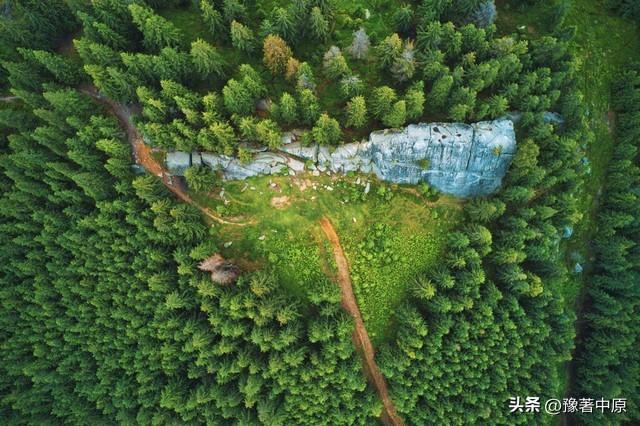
(108,314)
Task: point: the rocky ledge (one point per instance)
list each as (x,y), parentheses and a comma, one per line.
(458,159)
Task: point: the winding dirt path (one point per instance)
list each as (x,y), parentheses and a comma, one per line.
(142,152)
(360,335)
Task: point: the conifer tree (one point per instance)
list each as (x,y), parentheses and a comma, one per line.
(276,54)
(356,110)
(242,37)
(212,18)
(206,59)
(318,24)
(326,130)
(157,31)
(359,48)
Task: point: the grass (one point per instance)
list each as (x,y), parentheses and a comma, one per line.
(290,240)
(603,44)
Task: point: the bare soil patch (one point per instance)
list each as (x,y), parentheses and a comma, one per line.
(280,202)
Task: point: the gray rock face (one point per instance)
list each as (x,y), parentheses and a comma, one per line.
(178,162)
(458,159)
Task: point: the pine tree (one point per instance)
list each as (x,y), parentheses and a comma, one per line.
(389,49)
(440,91)
(403,18)
(287,109)
(326,130)
(234,10)
(207,60)
(356,111)
(283,23)
(212,18)
(359,48)
(268,133)
(404,66)
(157,31)
(334,63)
(381,101)
(200,179)
(242,37)
(309,107)
(276,54)
(318,24)
(351,86)
(305,77)
(292,68)
(415,100)
(62,69)
(397,116)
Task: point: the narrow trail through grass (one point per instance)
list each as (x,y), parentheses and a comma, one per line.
(360,336)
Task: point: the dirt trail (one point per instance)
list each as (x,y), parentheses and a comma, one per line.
(142,152)
(360,335)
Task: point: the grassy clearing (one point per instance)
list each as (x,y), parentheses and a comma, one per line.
(387,235)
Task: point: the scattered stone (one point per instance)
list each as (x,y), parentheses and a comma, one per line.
(578,268)
(294,165)
(263,105)
(316,173)
(367,188)
(222,271)
(228,244)
(287,138)
(137,169)
(280,202)
(567,232)
(262,237)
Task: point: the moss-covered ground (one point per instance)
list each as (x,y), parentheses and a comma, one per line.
(388,235)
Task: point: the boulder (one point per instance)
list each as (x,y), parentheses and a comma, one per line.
(196,159)
(306,152)
(553,118)
(294,165)
(263,105)
(178,162)
(287,138)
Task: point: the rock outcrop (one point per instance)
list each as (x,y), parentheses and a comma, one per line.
(458,159)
